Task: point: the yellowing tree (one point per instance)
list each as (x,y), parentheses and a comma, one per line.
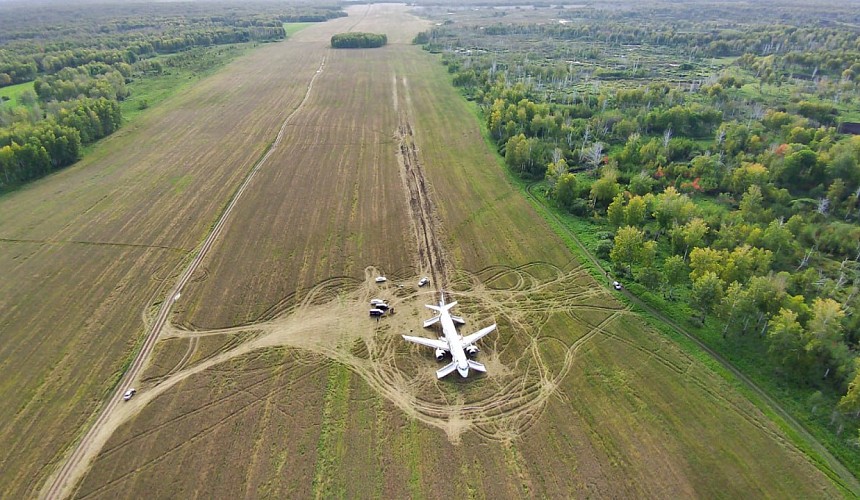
(706,260)
(631,248)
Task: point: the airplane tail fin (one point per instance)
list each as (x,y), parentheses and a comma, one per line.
(445,370)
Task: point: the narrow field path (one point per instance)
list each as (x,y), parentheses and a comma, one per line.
(836,469)
(62,483)
(432,256)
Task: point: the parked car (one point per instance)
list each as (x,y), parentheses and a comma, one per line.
(423,281)
(617,285)
(381,279)
(129,393)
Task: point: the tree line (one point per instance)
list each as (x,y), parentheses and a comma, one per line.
(81,59)
(358,40)
(29,151)
(31,43)
(716,193)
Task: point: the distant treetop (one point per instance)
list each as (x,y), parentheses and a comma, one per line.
(358,40)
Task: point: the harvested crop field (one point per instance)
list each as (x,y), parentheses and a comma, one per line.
(270,380)
(87,251)
(384,171)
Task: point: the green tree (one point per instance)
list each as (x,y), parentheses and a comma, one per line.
(631,248)
(691,234)
(748,174)
(634,214)
(745,262)
(850,402)
(555,170)
(675,272)
(801,170)
(785,337)
(768,295)
(565,190)
(736,308)
(752,205)
(673,208)
(706,260)
(604,190)
(641,184)
(649,276)
(778,239)
(615,211)
(707,292)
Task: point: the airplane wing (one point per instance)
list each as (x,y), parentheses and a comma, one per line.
(445,370)
(431,321)
(477,366)
(471,339)
(434,343)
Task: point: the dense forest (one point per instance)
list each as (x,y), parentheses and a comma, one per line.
(80,58)
(357,40)
(698,152)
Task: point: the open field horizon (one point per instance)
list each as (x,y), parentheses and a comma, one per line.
(271,381)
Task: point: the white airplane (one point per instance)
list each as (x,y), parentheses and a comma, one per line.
(460,348)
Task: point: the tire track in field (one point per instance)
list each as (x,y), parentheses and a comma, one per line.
(92,243)
(831,466)
(432,257)
(61,484)
(510,399)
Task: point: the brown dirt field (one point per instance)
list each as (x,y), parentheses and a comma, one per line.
(86,250)
(580,399)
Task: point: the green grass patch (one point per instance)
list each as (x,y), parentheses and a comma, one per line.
(11,95)
(293,28)
(149,90)
(331,446)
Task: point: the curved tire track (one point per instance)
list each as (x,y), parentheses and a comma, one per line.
(61,484)
(832,467)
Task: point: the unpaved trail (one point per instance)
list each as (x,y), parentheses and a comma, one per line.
(61,483)
(515,392)
(838,471)
(425,222)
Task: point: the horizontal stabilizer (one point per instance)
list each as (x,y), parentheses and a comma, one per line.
(477,366)
(445,370)
(432,321)
(434,343)
(441,307)
(458,320)
(471,339)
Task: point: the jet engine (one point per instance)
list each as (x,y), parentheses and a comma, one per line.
(471,350)
(440,354)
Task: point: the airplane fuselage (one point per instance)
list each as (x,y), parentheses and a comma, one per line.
(451,342)
(455,343)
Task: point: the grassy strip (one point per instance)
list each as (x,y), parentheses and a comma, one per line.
(331,445)
(580,237)
(293,28)
(150,90)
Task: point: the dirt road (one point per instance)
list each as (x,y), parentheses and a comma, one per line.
(72,469)
(838,471)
